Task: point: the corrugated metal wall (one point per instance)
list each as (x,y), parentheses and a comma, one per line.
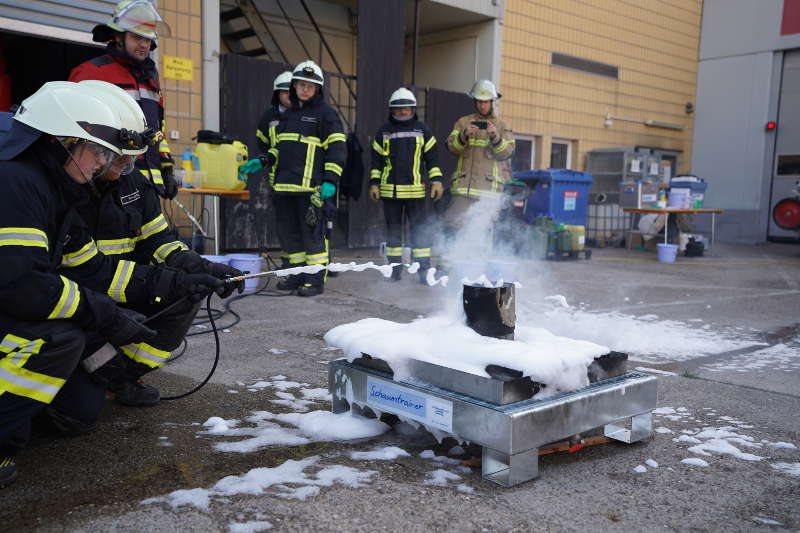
(78,15)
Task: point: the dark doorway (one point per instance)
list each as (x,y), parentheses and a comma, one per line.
(32,61)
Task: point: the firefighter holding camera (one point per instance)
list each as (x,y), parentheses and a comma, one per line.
(484,146)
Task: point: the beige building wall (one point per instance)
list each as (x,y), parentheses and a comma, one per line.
(182,99)
(653,42)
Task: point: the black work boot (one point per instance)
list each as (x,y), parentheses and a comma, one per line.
(8,471)
(290,283)
(424,266)
(313,284)
(397,273)
(135,394)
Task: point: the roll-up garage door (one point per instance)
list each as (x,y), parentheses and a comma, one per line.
(69,20)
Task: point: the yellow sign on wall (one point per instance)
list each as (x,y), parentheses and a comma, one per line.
(178,68)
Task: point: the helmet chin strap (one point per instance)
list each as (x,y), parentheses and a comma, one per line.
(89,181)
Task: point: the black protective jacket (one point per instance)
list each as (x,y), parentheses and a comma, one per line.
(125,218)
(403,151)
(267,131)
(310,147)
(51,266)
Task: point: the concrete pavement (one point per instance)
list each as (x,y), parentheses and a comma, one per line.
(96,482)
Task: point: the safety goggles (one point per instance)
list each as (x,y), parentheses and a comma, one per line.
(122,164)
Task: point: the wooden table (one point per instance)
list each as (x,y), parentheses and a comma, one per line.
(667,211)
(216,194)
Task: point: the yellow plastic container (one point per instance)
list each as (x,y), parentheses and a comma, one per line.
(220,163)
(578,237)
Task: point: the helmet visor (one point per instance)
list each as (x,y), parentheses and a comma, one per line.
(86,158)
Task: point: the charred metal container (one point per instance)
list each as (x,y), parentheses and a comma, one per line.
(491,310)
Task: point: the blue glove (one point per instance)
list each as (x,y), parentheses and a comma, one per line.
(327,190)
(254,165)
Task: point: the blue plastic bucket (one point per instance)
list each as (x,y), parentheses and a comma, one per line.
(218,259)
(247,262)
(667,252)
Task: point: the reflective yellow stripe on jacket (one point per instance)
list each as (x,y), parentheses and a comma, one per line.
(119,284)
(13,236)
(67,302)
(146,354)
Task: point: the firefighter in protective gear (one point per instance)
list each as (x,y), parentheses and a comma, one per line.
(266,135)
(308,159)
(58,294)
(404,152)
(484,146)
(130,35)
(124,217)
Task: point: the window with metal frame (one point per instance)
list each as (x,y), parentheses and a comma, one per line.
(561,153)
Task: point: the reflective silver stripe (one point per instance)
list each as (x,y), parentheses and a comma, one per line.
(120,282)
(164,250)
(79,257)
(116,246)
(9,345)
(403,135)
(24,383)
(67,302)
(23,237)
(154,226)
(102,356)
(146,354)
(138,94)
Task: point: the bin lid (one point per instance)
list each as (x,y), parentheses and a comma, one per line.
(555,175)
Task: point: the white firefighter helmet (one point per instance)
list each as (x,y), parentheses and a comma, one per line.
(283,81)
(308,71)
(402,97)
(131,117)
(139,17)
(83,111)
(484,90)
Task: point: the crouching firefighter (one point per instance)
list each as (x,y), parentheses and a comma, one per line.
(403,152)
(308,157)
(61,137)
(124,217)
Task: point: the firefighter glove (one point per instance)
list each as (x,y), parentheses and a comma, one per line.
(126,327)
(254,165)
(374,193)
(196,286)
(223,271)
(437,190)
(170,185)
(327,190)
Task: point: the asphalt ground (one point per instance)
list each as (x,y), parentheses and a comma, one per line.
(96,482)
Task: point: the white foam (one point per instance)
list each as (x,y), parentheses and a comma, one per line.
(694,461)
(388,453)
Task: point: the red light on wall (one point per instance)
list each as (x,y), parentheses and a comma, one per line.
(771,125)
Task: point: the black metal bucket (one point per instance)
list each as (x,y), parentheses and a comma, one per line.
(491,310)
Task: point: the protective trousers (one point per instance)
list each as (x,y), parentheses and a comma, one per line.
(414,210)
(37,360)
(144,357)
(297,235)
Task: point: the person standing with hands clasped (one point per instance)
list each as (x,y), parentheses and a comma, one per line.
(403,151)
(308,158)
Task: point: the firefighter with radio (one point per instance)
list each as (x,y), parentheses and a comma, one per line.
(404,152)
(131,35)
